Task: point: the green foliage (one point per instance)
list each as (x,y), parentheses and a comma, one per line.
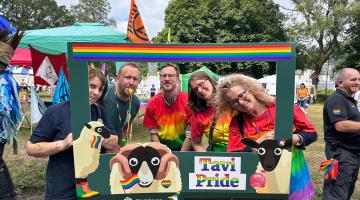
(324,23)
(224,21)
(352,46)
(321,96)
(93,11)
(35,14)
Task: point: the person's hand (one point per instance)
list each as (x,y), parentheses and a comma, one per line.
(65,143)
(110,142)
(296,140)
(270,135)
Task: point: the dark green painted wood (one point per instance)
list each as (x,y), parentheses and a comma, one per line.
(99,180)
(79,94)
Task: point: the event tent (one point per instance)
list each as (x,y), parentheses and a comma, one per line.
(23,75)
(185,77)
(54,40)
(21,57)
(269,83)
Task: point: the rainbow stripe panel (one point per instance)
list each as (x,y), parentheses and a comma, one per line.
(182,52)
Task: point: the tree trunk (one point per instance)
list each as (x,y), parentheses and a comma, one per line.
(315,82)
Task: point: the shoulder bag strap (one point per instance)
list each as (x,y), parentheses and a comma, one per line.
(212,127)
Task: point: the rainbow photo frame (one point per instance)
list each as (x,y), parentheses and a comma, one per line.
(203,175)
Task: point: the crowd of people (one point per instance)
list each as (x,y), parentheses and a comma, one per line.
(226,112)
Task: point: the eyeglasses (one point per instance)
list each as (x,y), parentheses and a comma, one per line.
(128,78)
(242,96)
(168,75)
(201,85)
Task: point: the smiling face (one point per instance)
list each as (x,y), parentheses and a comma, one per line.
(96,88)
(168,79)
(128,78)
(202,88)
(350,81)
(241,100)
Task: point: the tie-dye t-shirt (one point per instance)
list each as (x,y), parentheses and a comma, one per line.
(201,122)
(264,123)
(169,120)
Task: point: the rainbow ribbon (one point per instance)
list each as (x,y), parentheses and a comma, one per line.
(329,168)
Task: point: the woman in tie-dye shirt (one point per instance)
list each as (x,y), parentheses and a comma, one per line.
(202,89)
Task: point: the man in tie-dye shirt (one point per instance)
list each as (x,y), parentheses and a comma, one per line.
(167,112)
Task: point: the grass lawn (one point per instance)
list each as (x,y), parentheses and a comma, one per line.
(28,173)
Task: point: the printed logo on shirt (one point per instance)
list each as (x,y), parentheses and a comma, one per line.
(336,111)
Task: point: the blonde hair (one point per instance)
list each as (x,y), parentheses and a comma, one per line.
(249,84)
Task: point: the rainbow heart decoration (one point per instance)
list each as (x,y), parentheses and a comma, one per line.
(166,183)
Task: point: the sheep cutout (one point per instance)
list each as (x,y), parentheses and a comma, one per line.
(145,168)
(87,154)
(274,165)
(269,151)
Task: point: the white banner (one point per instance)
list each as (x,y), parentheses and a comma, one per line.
(47,72)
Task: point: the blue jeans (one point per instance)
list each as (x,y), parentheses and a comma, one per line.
(302,103)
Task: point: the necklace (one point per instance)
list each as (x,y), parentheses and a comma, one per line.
(257,129)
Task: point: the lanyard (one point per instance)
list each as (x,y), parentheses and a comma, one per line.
(125,129)
(257,130)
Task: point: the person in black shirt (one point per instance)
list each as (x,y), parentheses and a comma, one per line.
(342,135)
(152,90)
(53,137)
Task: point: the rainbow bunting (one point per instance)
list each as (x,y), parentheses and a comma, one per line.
(177,52)
(130,182)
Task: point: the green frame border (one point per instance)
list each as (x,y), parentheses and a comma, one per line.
(285,70)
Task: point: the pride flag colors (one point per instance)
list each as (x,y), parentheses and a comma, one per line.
(182,52)
(127,184)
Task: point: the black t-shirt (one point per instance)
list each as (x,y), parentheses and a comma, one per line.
(56,125)
(338,107)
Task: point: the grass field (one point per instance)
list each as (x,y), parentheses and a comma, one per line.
(28,173)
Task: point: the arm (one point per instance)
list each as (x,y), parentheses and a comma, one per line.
(196,144)
(110,143)
(186,145)
(45,149)
(337,112)
(347,126)
(154,135)
(150,122)
(305,133)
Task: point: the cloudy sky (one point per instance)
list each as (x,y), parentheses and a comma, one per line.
(151,11)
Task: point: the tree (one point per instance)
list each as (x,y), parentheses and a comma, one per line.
(224,21)
(352,45)
(93,11)
(324,24)
(35,14)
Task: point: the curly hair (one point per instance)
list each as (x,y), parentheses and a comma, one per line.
(249,84)
(196,103)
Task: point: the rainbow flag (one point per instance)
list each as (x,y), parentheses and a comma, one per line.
(301,187)
(182,52)
(96,142)
(130,182)
(329,168)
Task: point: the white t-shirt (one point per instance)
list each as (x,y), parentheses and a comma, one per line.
(357,98)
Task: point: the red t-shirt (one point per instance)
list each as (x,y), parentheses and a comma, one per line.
(264,123)
(169,120)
